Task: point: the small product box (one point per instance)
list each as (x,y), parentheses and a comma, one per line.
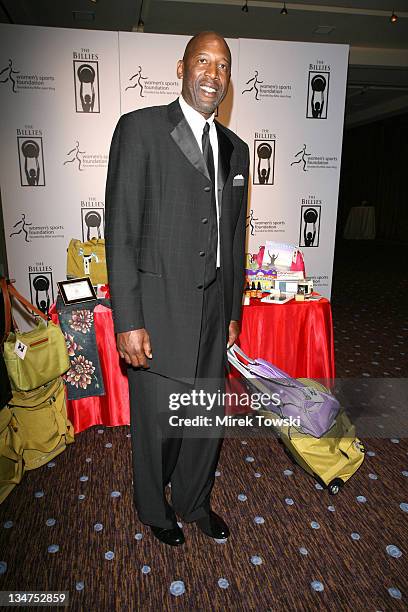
(306,286)
(286,286)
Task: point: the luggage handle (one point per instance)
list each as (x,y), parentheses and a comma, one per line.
(236,350)
(239,365)
(243,368)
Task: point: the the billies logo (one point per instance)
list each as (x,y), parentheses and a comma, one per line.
(92,219)
(318,90)
(41,286)
(86,81)
(31,157)
(264,158)
(310,213)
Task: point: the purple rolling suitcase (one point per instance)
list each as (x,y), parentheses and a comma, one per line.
(315,408)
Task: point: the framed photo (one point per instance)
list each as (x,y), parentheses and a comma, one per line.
(76,290)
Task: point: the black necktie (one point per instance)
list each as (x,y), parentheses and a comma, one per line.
(208,152)
(211,254)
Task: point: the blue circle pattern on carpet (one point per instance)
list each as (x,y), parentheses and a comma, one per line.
(178,588)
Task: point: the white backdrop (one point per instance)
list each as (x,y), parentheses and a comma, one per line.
(62,92)
(295,157)
(41,108)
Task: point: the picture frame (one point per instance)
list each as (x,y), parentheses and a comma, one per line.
(76,290)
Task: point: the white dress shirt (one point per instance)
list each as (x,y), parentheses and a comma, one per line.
(196,121)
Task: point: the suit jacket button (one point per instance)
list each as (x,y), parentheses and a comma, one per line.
(207,188)
(205,220)
(200,286)
(202,253)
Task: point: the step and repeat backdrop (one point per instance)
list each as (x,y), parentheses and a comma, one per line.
(63,90)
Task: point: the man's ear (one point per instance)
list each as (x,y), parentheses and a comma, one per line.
(180,69)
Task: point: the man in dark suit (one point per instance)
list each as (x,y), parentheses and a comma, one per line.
(176,202)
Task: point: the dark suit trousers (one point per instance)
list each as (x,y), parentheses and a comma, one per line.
(186,457)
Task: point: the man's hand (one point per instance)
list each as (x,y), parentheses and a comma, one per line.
(233,332)
(134,346)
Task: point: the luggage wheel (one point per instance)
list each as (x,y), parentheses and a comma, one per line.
(334,486)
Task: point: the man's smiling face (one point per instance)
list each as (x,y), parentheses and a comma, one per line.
(206,72)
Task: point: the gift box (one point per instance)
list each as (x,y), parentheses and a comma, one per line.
(286,286)
(306,286)
(265,276)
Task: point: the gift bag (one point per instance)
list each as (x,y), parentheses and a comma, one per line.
(5,388)
(40,417)
(11,454)
(36,357)
(283,257)
(87,259)
(298,262)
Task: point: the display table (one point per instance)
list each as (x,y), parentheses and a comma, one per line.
(360,223)
(111,409)
(296,336)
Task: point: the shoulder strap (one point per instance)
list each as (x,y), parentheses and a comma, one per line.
(7,308)
(8,291)
(28,306)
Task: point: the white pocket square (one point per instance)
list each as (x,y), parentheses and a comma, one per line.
(238,180)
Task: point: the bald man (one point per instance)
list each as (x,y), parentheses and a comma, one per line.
(176,202)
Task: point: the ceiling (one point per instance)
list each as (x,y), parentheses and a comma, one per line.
(378,72)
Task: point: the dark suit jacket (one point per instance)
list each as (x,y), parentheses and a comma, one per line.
(157,208)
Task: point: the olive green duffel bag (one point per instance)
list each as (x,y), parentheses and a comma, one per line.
(11,453)
(41,419)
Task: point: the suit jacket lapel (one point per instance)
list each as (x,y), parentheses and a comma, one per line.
(225,148)
(185,139)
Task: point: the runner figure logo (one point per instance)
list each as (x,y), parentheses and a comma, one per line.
(250,222)
(302,158)
(138,82)
(86,82)
(8,73)
(254,86)
(31,160)
(76,155)
(22,224)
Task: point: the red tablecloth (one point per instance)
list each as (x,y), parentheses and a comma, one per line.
(112,408)
(296,336)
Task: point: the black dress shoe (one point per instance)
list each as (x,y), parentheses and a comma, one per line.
(213,526)
(173,536)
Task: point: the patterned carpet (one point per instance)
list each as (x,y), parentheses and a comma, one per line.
(370,309)
(71,526)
